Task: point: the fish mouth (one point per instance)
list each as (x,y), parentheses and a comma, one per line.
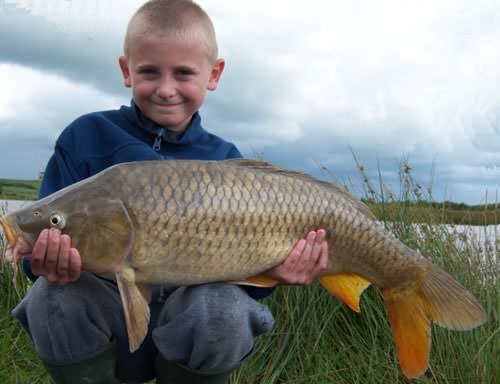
(10,238)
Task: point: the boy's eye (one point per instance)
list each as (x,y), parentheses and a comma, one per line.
(185,72)
(148,71)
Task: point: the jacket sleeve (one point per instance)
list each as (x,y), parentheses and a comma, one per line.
(233,153)
(59,173)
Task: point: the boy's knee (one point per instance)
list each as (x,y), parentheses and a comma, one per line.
(229,311)
(65,303)
(66,321)
(34,308)
(210,328)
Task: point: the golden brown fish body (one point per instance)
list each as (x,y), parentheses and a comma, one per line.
(217,221)
(191,222)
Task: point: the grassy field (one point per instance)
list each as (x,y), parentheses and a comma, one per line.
(318,340)
(19,189)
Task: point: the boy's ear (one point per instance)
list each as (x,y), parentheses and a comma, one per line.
(125,71)
(215,74)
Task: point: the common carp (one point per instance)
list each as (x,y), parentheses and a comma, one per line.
(185,222)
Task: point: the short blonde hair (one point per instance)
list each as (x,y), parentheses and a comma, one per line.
(182,18)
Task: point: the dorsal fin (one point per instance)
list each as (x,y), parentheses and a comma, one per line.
(260,165)
(252,163)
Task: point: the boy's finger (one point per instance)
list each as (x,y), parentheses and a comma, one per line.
(53,245)
(320,235)
(311,236)
(38,252)
(294,256)
(75,264)
(64,258)
(316,247)
(322,262)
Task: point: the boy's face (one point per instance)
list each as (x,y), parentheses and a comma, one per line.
(169,78)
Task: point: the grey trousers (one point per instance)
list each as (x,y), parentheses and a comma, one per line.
(208,328)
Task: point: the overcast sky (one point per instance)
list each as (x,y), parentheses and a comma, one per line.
(305,83)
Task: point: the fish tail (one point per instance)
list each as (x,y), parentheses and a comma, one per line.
(439,299)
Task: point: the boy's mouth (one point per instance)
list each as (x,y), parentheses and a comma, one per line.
(166,101)
(167,105)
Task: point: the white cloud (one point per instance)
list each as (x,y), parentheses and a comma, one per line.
(37,104)
(303,81)
(369,67)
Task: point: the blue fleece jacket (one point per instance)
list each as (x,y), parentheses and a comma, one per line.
(97,140)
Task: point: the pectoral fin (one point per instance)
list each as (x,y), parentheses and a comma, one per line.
(105,227)
(260,281)
(135,300)
(347,287)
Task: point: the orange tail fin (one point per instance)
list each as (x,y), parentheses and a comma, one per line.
(411,328)
(439,299)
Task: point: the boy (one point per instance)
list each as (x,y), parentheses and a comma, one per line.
(197,334)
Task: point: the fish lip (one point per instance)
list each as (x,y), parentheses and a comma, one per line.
(9,231)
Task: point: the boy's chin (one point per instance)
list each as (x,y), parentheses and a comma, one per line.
(175,125)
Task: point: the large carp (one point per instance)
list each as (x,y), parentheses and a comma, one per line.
(190,222)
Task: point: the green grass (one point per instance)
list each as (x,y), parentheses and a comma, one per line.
(318,340)
(19,189)
(18,361)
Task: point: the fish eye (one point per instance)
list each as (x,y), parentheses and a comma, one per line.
(57,221)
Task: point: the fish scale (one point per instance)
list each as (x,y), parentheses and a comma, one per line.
(183,222)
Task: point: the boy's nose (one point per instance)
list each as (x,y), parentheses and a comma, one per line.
(166,89)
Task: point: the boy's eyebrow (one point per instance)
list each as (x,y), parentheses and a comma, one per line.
(180,67)
(186,68)
(145,65)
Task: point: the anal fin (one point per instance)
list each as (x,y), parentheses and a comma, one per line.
(258,281)
(135,299)
(347,287)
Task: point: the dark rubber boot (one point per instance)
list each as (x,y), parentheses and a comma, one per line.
(97,369)
(168,372)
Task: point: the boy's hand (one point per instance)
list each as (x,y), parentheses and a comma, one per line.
(305,263)
(53,257)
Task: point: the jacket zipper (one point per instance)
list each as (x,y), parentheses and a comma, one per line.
(157,143)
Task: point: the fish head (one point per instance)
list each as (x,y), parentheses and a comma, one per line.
(99,227)
(21,228)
